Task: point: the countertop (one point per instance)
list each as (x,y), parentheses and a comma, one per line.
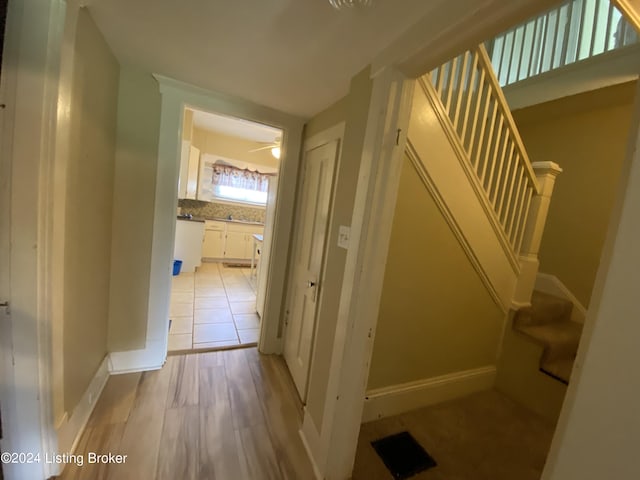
(190,219)
(204,219)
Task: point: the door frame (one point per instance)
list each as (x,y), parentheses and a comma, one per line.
(437,36)
(176,96)
(31,75)
(330,134)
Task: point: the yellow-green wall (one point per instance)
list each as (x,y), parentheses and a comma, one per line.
(353,110)
(94,99)
(436,316)
(133,208)
(586,135)
(327,118)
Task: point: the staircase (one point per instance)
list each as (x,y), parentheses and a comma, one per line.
(548,322)
(465,146)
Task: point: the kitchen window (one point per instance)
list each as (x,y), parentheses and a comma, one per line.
(221,181)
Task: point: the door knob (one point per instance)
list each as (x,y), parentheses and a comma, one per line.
(311,284)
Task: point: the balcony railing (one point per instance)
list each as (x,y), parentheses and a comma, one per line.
(574,31)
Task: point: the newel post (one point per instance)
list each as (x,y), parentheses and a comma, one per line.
(546,173)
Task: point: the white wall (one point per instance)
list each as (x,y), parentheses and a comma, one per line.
(133,196)
(599,429)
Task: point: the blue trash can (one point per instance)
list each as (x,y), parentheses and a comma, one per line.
(177,265)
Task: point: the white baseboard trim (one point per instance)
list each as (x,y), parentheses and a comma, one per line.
(71,428)
(551,284)
(396,399)
(150,358)
(305,443)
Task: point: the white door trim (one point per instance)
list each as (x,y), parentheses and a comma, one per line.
(175,96)
(333,447)
(32,63)
(335,132)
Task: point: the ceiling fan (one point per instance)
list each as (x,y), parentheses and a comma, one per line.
(273,146)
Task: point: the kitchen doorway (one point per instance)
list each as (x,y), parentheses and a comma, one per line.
(224,224)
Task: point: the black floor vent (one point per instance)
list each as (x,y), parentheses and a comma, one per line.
(403,455)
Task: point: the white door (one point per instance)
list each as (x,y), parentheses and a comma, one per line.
(312,224)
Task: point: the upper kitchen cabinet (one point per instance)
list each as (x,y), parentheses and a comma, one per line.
(189,160)
(189,168)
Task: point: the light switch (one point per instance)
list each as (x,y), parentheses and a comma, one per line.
(344,233)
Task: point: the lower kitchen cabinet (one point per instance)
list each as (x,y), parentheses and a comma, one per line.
(213,245)
(229,240)
(235,246)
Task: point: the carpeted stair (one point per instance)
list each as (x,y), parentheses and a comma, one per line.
(548,322)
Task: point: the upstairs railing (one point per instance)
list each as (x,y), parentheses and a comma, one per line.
(473,101)
(574,31)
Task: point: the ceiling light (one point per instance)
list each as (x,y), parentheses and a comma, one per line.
(339,4)
(275,151)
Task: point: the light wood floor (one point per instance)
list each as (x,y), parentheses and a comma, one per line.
(224,415)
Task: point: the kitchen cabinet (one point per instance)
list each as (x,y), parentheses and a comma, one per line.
(214,237)
(240,240)
(188,242)
(189,169)
(229,240)
(236,245)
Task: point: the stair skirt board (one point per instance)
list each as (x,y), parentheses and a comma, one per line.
(551,284)
(397,399)
(455,187)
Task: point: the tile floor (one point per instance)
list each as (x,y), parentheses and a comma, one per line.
(214,307)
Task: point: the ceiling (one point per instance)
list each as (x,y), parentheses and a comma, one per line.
(297,56)
(235,127)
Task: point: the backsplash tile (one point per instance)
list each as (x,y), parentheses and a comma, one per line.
(211,210)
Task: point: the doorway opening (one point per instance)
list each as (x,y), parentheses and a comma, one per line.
(226,208)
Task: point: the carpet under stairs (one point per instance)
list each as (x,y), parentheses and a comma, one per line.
(548,322)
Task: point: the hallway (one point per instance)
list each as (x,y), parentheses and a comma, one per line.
(230,414)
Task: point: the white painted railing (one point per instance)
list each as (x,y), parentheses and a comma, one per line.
(574,31)
(474,102)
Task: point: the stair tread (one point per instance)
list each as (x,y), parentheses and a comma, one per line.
(546,308)
(560,340)
(540,296)
(554,334)
(560,368)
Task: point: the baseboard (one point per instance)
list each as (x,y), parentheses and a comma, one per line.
(396,399)
(551,284)
(304,436)
(150,358)
(71,428)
